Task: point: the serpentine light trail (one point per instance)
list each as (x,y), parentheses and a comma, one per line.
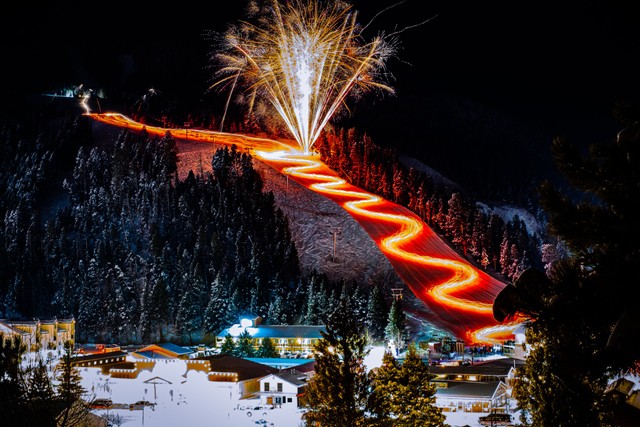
(459,296)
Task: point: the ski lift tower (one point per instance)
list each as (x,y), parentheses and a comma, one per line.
(396,293)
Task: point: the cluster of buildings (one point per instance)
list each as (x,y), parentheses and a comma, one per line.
(50,334)
(164,366)
(480,386)
(476,386)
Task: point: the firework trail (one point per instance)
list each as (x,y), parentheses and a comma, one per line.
(305,60)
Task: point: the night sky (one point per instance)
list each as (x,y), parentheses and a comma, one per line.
(551,67)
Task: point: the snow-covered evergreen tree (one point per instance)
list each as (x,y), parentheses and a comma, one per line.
(396,330)
(337,393)
(216,315)
(267,349)
(377,314)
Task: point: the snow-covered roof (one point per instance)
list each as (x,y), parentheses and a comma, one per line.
(163,351)
(150,354)
(98,356)
(175,348)
(303,365)
(276,331)
(246,369)
(494,367)
(10,330)
(292,377)
(469,389)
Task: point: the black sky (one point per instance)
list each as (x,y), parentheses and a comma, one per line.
(501,49)
(556,66)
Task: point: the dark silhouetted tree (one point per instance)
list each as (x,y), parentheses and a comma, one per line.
(337,393)
(587,308)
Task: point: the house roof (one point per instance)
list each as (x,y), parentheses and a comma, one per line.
(309,366)
(245,369)
(150,354)
(163,351)
(98,356)
(494,367)
(10,330)
(175,348)
(276,331)
(282,364)
(621,385)
(292,377)
(469,389)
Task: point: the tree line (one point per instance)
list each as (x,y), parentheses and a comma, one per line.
(504,247)
(342,392)
(137,255)
(38,393)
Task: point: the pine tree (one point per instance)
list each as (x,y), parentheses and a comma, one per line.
(228,345)
(385,387)
(267,349)
(587,308)
(314,305)
(245,345)
(402,393)
(277,314)
(188,319)
(91,310)
(396,332)
(337,393)
(457,221)
(70,390)
(216,315)
(12,392)
(505,256)
(414,403)
(479,236)
(42,404)
(377,314)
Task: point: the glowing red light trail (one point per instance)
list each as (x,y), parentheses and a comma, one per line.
(460,295)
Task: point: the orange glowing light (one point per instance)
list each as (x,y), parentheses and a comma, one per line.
(460,295)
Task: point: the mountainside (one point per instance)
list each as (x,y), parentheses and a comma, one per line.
(210,238)
(313,219)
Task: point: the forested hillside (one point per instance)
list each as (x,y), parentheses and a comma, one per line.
(105,229)
(500,246)
(134,253)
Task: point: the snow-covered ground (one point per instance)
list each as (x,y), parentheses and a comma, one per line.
(188,398)
(181,398)
(508,212)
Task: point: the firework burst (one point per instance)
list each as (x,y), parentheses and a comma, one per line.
(305,58)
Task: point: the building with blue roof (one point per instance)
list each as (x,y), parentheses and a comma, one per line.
(162,351)
(289,340)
